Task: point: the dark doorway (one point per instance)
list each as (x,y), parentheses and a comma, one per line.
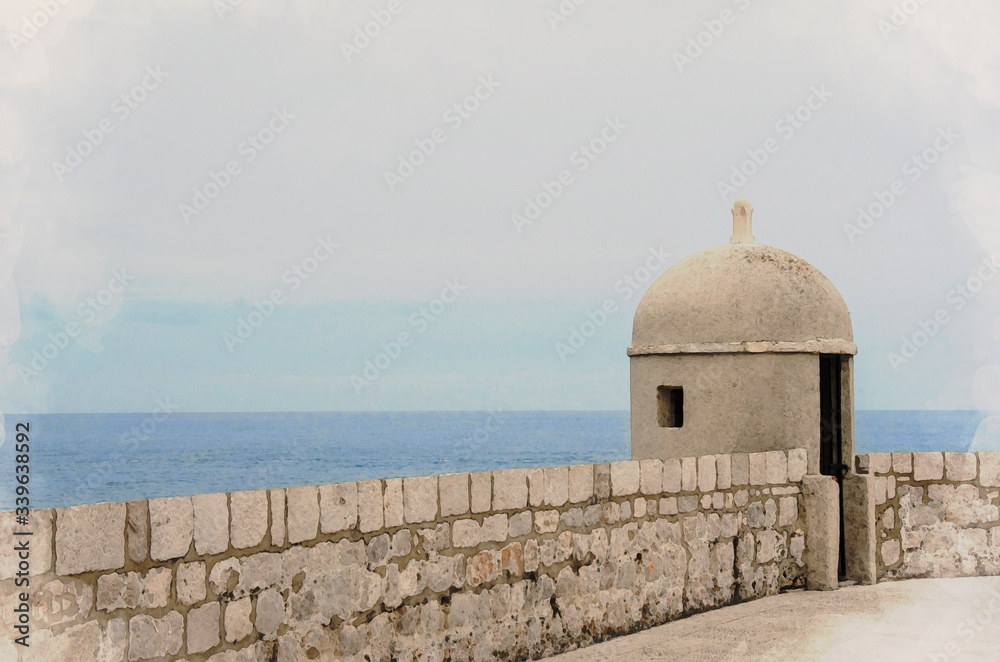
(831,449)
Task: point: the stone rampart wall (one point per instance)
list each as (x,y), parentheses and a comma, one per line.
(512,564)
(937,514)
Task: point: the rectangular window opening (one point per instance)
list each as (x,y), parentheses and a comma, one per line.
(670,406)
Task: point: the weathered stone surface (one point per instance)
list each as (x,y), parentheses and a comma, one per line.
(879,463)
(520,524)
(249,518)
(707,473)
(393,497)
(277,516)
(758,469)
(536,487)
(191,579)
(40,524)
(776,466)
(510,489)
(624,479)
(89,538)
(482,568)
(890,552)
(211,523)
(724,471)
(788,510)
(371,507)
(512,560)
(155,637)
(602,480)
(989,469)
(928,466)
(132,590)
(687,504)
(338,507)
(55,603)
(581,482)
(86,642)
(741,469)
(203,627)
(495,528)
(961,466)
(481,491)
(224,576)
(466,533)
(689,474)
(270,612)
(668,506)
(420,499)
(546,521)
(556,486)
(237,619)
(137,530)
(639,507)
(454,494)
(797,465)
(303,513)
(651,476)
(672,476)
(902,463)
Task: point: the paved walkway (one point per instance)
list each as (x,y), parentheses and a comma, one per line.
(921,620)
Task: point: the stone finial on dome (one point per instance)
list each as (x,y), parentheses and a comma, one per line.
(742,223)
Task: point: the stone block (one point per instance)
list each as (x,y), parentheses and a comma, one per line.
(191,579)
(706,473)
(689,474)
(556,486)
(510,489)
(224,576)
(902,463)
(797,465)
(651,476)
(211,523)
(890,552)
(758,469)
(928,466)
(639,507)
(788,510)
(546,521)
(89,538)
(86,642)
(961,466)
(741,469)
(536,487)
(602,481)
(277,517)
(724,471)
(776,466)
(672,476)
(687,504)
(481,492)
(393,498)
(624,478)
(520,524)
(454,490)
(137,530)
(495,528)
(40,525)
(155,637)
(270,612)
(466,533)
(303,513)
(420,499)
(512,560)
(581,483)
(133,591)
(482,568)
(54,603)
(203,628)
(338,507)
(248,524)
(989,469)
(237,619)
(880,463)
(668,506)
(371,508)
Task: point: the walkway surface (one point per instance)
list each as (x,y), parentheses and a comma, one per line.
(921,620)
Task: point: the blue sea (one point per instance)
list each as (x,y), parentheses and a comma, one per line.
(88,458)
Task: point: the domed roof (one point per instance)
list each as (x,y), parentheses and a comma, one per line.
(742,297)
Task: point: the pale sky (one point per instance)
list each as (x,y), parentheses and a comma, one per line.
(121,222)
